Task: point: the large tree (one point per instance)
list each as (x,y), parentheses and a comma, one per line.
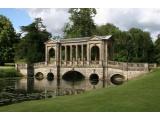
(143,49)
(134,45)
(81,23)
(31,48)
(8,38)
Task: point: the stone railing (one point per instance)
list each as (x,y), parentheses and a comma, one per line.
(40,64)
(110,64)
(152,65)
(131,66)
(21,66)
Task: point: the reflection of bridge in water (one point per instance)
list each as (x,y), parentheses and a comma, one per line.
(70,60)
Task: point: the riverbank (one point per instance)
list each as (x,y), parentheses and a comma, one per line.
(9,71)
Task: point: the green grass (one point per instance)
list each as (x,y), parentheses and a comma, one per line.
(140,94)
(8,71)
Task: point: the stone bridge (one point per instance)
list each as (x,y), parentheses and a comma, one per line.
(88,57)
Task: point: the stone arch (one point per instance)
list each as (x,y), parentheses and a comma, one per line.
(39,76)
(73,76)
(50,76)
(95,53)
(94,79)
(117,79)
(52,55)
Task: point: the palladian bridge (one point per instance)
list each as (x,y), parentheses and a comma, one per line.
(87,58)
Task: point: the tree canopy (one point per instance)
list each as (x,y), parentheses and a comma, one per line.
(107,29)
(134,45)
(81,23)
(8,38)
(31,48)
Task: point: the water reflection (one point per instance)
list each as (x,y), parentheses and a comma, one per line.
(32,83)
(4,82)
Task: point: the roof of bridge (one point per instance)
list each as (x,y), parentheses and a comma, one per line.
(51,41)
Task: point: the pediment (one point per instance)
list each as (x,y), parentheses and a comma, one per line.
(101,37)
(95,38)
(51,41)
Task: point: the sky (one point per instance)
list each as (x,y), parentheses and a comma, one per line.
(148,19)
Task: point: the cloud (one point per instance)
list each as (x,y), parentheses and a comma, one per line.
(124,18)
(53,19)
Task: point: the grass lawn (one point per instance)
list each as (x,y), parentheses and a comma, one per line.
(140,94)
(8,71)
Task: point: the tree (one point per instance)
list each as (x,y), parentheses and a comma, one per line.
(142,46)
(157,50)
(134,45)
(81,23)
(31,48)
(8,39)
(107,29)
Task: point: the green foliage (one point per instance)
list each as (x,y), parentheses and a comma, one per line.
(107,29)
(81,23)
(142,45)
(157,50)
(8,38)
(134,45)
(9,72)
(31,47)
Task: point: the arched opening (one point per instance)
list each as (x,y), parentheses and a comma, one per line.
(39,76)
(73,77)
(117,79)
(94,79)
(51,55)
(95,55)
(50,76)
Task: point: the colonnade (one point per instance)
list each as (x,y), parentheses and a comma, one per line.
(74,52)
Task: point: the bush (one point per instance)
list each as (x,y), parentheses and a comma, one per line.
(9,72)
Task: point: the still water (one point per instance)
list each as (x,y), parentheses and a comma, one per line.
(44,84)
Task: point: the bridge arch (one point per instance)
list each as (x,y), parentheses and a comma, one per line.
(50,76)
(95,53)
(39,76)
(94,79)
(52,55)
(117,79)
(73,75)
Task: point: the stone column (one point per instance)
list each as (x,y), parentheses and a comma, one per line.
(101,50)
(88,54)
(76,52)
(65,53)
(82,52)
(70,53)
(46,55)
(60,54)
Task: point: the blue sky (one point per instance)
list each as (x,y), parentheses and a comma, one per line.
(18,17)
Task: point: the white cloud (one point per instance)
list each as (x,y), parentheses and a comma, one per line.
(124,18)
(53,19)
